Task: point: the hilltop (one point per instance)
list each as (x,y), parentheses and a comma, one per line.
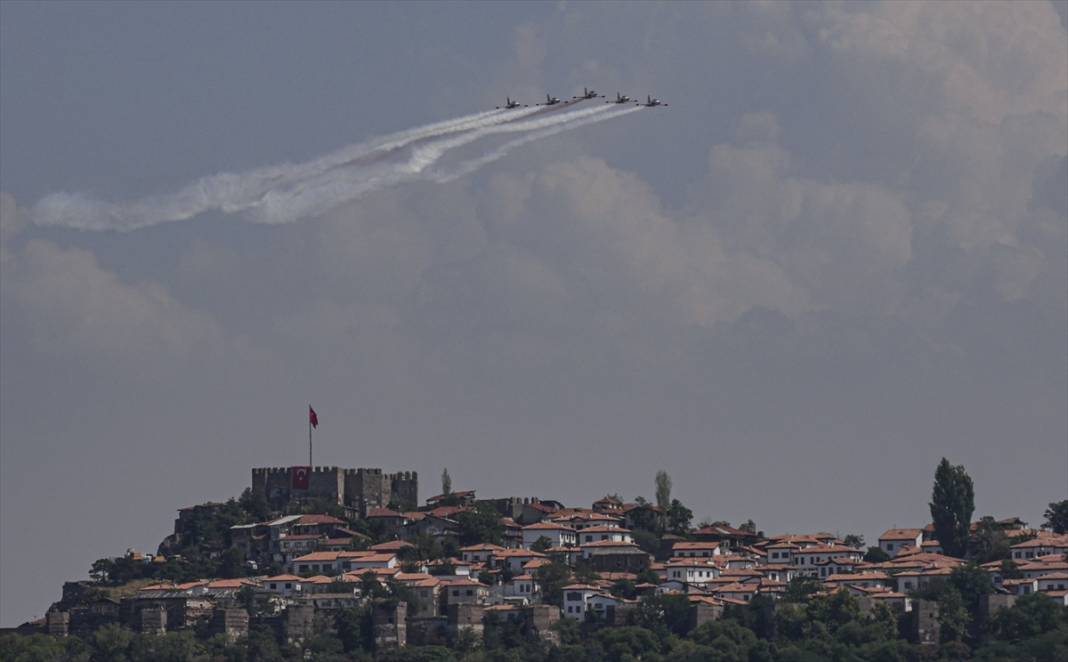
(346,564)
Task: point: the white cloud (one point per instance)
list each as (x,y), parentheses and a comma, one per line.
(68,305)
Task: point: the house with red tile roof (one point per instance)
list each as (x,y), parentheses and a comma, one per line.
(689,549)
(892,540)
(559,535)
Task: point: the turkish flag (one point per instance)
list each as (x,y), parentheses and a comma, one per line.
(313,418)
(301,477)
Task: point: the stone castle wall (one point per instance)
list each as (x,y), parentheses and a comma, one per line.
(361,489)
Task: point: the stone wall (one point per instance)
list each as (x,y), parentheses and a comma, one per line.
(358,489)
(390,622)
(153,619)
(404,489)
(928,631)
(58,623)
(232,623)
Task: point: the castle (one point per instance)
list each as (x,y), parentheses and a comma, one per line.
(357,489)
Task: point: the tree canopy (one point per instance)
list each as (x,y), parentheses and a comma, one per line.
(952,505)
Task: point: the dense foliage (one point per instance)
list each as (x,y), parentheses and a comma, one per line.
(952,505)
(817,628)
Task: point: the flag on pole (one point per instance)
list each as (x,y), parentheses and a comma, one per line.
(313,419)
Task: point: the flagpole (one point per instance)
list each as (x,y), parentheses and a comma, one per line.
(309,438)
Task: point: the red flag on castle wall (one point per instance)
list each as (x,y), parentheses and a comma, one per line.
(312,417)
(301,477)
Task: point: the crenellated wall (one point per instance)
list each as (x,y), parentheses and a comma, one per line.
(404,490)
(361,489)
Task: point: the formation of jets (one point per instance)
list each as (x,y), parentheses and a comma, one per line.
(550,100)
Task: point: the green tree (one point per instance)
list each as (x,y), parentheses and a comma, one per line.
(541,544)
(972,582)
(801,588)
(647,541)
(952,505)
(355,629)
(854,540)
(1057,516)
(624,588)
(552,578)
(679,517)
(663,490)
(988,542)
(446,482)
(232,564)
(112,642)
(876,555)
(953,616)
(667,610)
(169,647)
(480,525)
(1009,570)
(1032,615)
(255,506)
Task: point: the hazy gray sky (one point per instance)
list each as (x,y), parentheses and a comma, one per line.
(838,256)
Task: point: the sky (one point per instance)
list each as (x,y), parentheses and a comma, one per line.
(840,254)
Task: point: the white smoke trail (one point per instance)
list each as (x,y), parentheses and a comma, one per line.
(288,192)
(341,185)
(471,165)
(234,192)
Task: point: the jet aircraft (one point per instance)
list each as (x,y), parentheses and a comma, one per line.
(650,102)
(620,98)
(509,104)
(550,101)
(588,94)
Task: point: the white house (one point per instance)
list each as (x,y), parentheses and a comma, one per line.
(1054,581)
(687,549)
(515,559)
(366,561)
(576,600)
(836,566)
(861,579)
(743,592)
(317,563)
(284,585)
(1045,544)
(692,572)
(782,552)
(808,560)
(464,590)
(604,605)
(521,586)
(1039,568)
(600,533)
(557,534)
(893,540)
(779,572)
(585,520)
(483,553)
(1020,586)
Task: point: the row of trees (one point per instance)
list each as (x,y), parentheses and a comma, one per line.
(799,628)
